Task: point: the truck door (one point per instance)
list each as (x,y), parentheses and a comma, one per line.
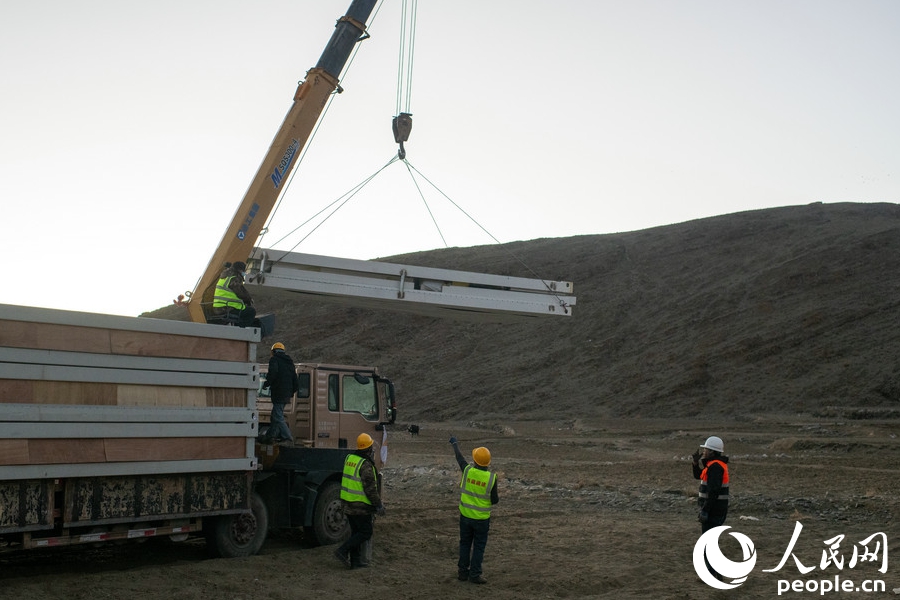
(359,408)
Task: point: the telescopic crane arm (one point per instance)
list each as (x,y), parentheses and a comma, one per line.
(259,201)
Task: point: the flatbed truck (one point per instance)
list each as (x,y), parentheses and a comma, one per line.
(121,428)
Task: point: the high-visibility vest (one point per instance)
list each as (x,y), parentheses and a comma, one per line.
(351,483)
(475,493)
(225,297)
(704,485)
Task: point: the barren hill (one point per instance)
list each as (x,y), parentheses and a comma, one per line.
(770,311)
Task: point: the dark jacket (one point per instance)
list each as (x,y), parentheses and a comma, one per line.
(371,481)
(715,502)
(281,378)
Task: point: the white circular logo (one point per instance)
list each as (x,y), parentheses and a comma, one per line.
(707,547)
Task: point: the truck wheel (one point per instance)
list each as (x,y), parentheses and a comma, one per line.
(242,534)
(329,526)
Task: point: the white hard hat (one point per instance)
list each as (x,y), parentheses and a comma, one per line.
(714,443)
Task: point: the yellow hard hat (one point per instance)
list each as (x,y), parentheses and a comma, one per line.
(482,456)
(277,346)
(363,441)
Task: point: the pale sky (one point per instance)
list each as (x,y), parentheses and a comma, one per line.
(131,130)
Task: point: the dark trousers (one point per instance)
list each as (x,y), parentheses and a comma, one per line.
(473,535)
(246,317)
(361,528)
(712,522)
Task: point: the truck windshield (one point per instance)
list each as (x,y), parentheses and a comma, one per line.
(360,397)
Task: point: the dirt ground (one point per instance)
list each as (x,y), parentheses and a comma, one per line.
(587,510)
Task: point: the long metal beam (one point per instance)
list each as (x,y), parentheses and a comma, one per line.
(421,290)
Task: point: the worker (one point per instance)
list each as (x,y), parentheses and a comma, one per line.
(710,466)
(282,382)
(478,492)
(360,501)
(231,297)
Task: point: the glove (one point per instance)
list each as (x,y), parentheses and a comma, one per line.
(703,517)
(453,440)
(695,457)
(380,510)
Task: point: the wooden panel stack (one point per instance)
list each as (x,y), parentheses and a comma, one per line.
(84,394)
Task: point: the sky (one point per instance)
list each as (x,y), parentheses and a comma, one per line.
(130,131)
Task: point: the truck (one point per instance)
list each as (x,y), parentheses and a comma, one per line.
(119,428)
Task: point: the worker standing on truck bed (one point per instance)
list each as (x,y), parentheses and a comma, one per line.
(232,297)
(360,500)
(478,492)
(281,379)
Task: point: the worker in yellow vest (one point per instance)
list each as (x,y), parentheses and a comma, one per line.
(360,500)
(477,494)
(231,295)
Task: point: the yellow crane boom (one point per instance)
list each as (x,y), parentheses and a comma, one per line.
(309,101)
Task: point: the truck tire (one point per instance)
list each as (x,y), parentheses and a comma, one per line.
(330,526)
(242,534)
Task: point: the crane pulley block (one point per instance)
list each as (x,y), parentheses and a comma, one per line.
(402,126)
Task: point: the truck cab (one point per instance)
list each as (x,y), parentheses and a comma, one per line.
(300,484)
(334,405)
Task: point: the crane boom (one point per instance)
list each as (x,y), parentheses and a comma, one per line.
(259,201)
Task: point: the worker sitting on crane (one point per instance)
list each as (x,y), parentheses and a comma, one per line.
(232,301)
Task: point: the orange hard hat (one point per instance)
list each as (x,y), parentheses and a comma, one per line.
(482,456)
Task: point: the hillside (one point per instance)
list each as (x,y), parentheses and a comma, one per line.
(770,311)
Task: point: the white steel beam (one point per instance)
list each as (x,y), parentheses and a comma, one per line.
(422,290)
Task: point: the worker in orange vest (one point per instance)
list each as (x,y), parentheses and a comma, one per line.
(710,466)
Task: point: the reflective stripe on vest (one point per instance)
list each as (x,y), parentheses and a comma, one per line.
(351,483)
(704,485)
(475,494)
(225,297)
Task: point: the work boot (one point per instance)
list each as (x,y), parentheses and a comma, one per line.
(344,557)
(478,579)
(463,574)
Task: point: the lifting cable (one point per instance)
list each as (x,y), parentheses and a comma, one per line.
(411,168)
(402,122)
(340,202)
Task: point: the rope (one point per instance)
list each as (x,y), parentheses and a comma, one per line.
(342,201)
(408,19)
(425,202)
(564,305)
(346,197)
